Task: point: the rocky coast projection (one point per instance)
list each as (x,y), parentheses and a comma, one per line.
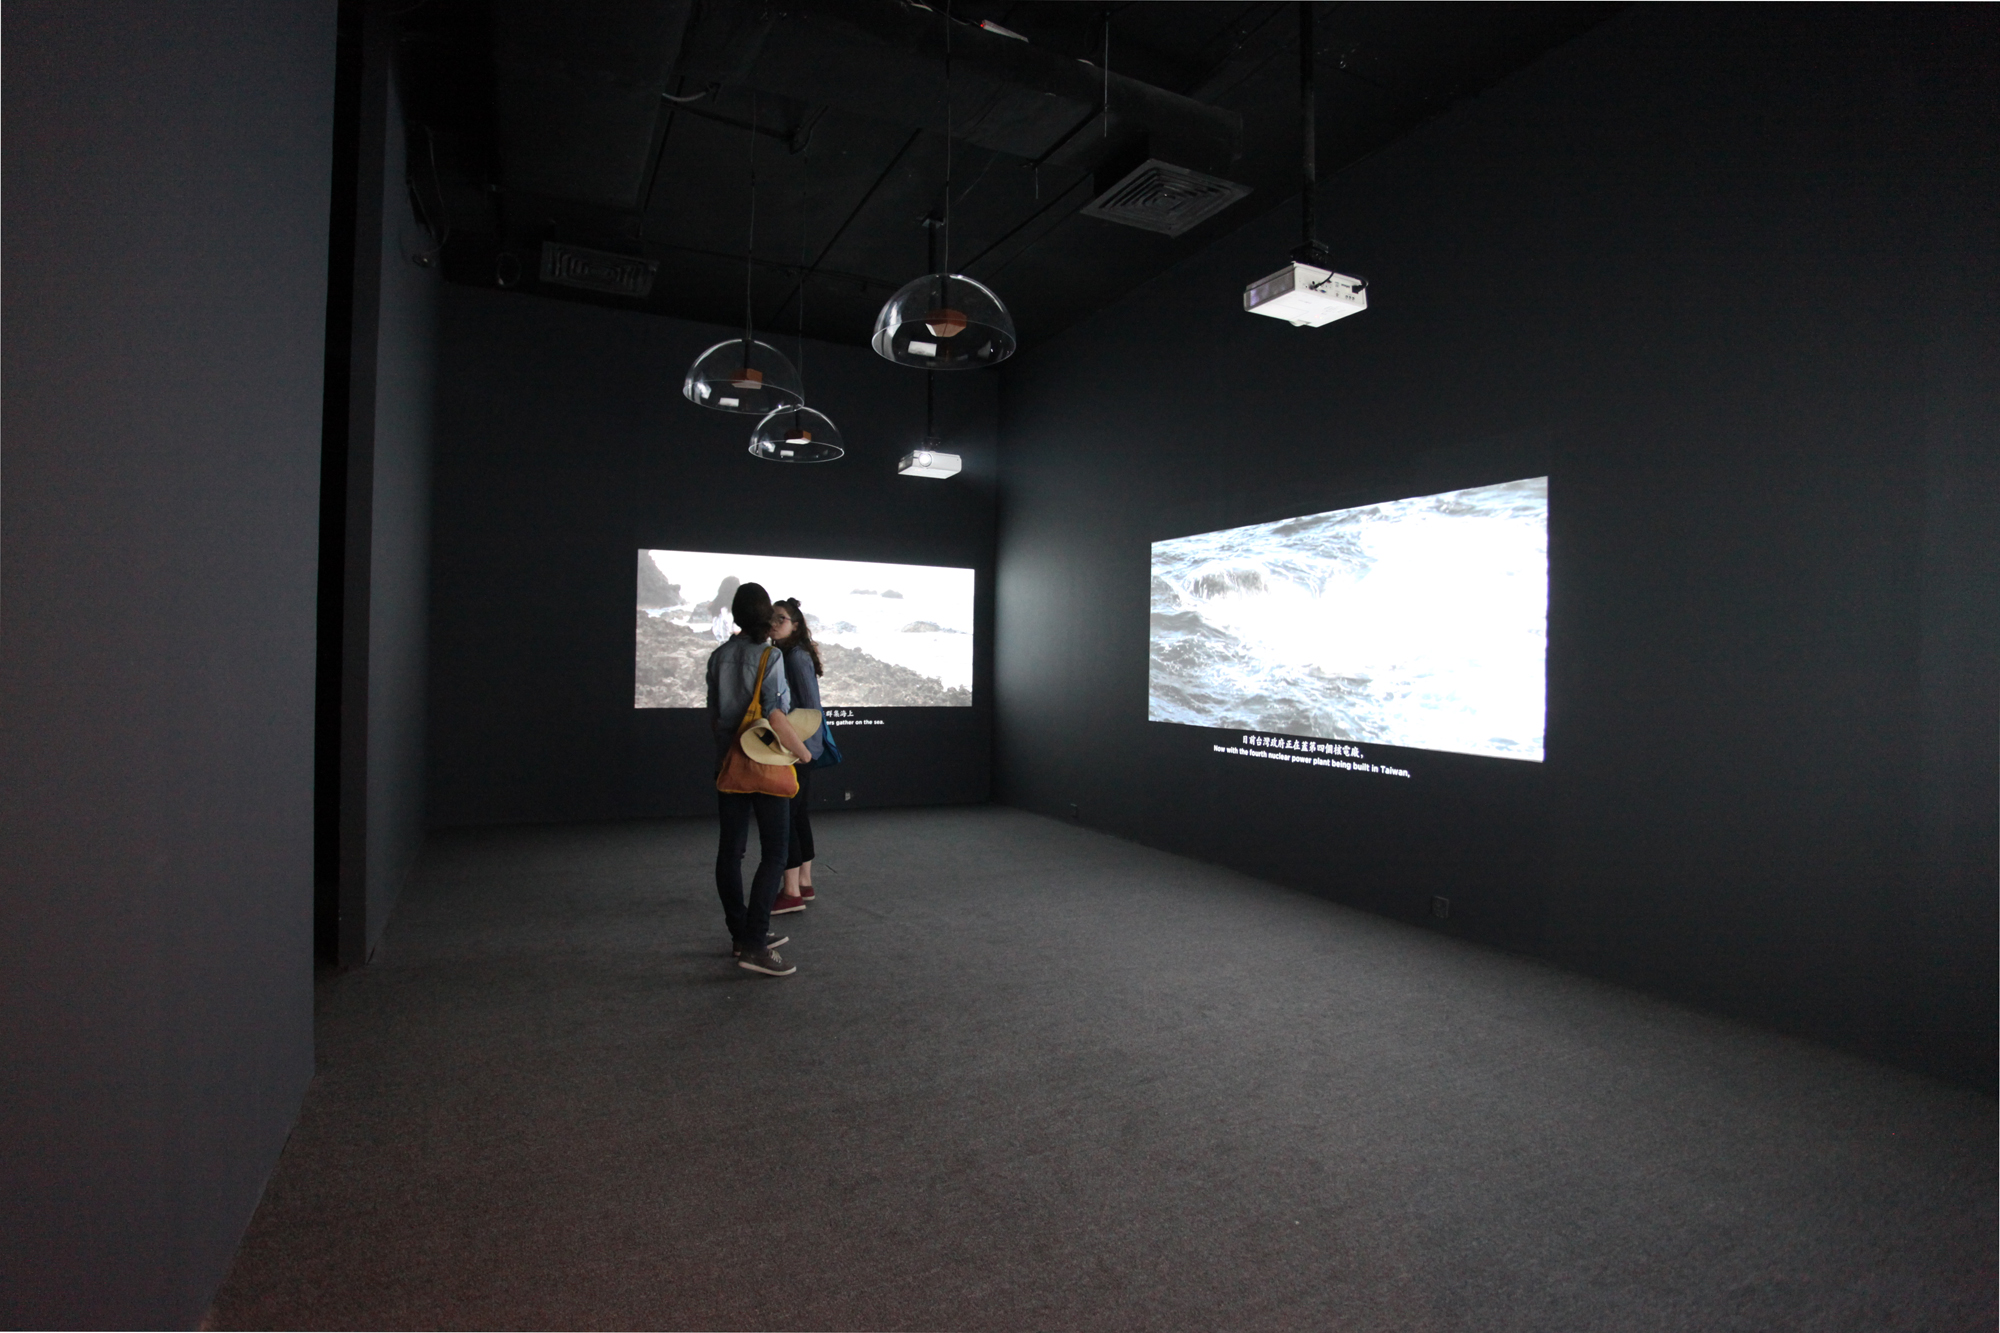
(1419,622)
(891,636)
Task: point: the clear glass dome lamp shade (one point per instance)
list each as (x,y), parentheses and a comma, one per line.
(724,379)
(944,321)
(797,435)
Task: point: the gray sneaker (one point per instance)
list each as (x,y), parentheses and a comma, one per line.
(771,941)
(767,962)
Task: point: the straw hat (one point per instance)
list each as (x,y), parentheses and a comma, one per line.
(762,744)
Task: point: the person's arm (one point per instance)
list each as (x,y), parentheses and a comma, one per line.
(789,738)
(774,695)
(714,674)
(805,685)
(714,694)
(777,703)
(805,690)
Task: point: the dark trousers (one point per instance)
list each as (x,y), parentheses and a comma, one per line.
(802,825)
(749,922)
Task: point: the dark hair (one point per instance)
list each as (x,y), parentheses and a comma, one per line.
(751,608)
(802,635)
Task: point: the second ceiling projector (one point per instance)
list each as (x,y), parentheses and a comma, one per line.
(1306,295)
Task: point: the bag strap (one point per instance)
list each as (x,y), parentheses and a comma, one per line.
(756,708)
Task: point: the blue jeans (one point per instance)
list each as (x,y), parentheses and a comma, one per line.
(750,922)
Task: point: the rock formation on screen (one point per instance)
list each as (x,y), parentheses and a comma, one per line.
(654,590)
(671,671)
(855,680)
(671,665)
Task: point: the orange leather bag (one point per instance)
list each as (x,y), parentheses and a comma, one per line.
(742,775)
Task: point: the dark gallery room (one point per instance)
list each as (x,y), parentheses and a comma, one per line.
(1044,434)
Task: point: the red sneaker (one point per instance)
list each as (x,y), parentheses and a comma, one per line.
(806,892)
(788,902)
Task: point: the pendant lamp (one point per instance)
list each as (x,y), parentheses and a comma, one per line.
(725,379)
(742,374)
(797,433)
(944,320)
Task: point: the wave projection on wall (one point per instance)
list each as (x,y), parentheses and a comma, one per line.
(1420,622)
(890,636)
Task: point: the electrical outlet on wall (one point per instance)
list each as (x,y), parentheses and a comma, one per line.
(1440,907)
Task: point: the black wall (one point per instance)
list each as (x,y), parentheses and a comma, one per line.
(166,234)
(374,510)
(563,447)
(399,543)
(1725,275)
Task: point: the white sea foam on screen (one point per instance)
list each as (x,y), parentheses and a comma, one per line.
(865,605)
(1420,622)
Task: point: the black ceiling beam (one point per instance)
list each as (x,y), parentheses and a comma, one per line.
(885,60)
(578,88)
(847,222)
(794,140)
(785,267)
(502,93)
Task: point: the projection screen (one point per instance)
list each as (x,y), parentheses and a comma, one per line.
(1420,622)
(890,636)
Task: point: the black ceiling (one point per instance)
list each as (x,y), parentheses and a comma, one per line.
(534,121)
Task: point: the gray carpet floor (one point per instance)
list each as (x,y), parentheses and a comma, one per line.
(1032,1077)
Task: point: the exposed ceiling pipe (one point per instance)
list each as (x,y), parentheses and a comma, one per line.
(869,57)
(588,72)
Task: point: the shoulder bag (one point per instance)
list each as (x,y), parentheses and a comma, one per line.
(829,753)
(742,775)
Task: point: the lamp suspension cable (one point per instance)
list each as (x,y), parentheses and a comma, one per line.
(741,374)
(750,239)
(1104,111)
(943,320)
(805,256)
(932,225)
(947,151)
(797,432)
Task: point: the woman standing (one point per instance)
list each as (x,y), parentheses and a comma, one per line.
(748,665)
(802,672)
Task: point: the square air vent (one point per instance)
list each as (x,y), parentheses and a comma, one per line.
(1159,196)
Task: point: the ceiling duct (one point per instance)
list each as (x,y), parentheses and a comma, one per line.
(576,93)
(883,59)
(1159,196)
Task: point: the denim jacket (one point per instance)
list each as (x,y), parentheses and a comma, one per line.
(732,674)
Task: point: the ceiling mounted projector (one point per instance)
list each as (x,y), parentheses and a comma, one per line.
(928,463)
(1306,295)
(1302,291)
